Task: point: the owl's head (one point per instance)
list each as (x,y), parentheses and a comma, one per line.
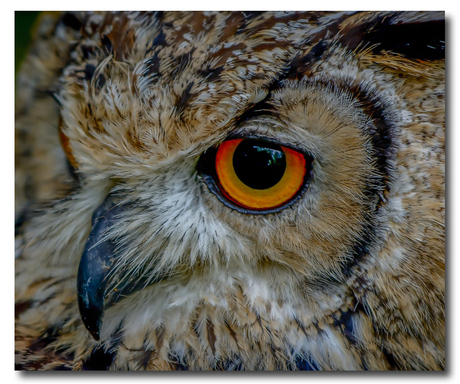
(240,145)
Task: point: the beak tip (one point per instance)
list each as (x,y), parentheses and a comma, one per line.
(92,320)
(95,335)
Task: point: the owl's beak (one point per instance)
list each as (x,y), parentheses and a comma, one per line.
(96,263)
(99,284)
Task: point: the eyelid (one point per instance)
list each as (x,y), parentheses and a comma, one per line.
(65,145)
(267,137)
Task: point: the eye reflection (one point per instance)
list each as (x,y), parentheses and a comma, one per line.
(259,165)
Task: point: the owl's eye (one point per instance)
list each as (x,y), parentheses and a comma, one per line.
(73,165)
(258,175)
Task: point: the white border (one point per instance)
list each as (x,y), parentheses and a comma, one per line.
(7,190)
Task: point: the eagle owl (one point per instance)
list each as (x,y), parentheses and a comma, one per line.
(231,191)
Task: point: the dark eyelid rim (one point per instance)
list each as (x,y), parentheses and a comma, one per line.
(262,137)
(212,185)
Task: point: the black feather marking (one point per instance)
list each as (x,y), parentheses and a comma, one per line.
(345,325)
(89,71)
(181,63)
(391,360)
(21,219)
(420,40)
(107,43)
(62,367)
(100,82)
(116,337)
(70,20)
(261,108)
(87,51)
(211,74)
(153,65)
(22,306)
(304,364)
(160,39)
(99,360)
(183,101)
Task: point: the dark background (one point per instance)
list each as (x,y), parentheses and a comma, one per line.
(23,23)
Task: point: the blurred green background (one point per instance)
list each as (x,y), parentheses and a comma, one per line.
(23,23)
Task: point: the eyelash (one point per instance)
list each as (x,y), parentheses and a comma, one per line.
(254,175)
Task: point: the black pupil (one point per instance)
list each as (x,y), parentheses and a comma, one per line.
(259,164)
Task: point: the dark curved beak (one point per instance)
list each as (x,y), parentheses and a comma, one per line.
(99,284)
(96,263)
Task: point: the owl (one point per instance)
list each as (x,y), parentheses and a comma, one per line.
(231,191)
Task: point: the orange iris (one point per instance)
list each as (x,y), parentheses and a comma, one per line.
(66,147)
(271,195)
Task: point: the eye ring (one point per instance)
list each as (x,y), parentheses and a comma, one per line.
(72,164)
(230,184)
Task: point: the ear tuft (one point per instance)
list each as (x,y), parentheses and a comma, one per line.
(415,40)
